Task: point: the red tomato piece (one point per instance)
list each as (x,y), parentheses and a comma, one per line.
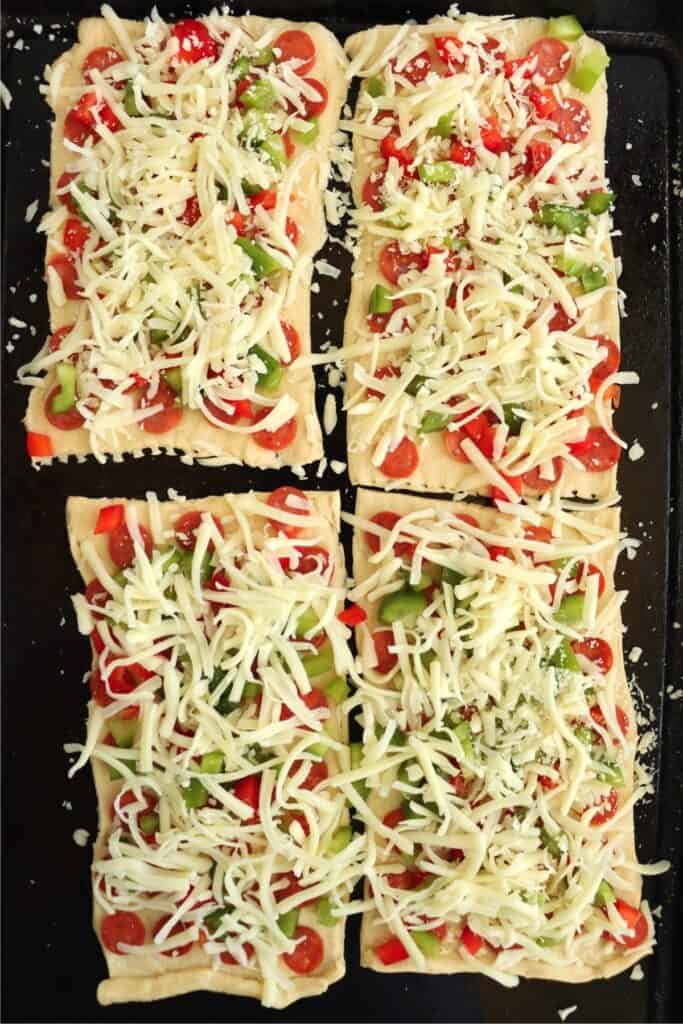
(123,926)
(247,790)
(76,234)
(241,409)
(65,197)
(637,925)
(460,784)
(372,190)
(121,547)
(168,417)
(597,452)
(186,526)
(572,120)
(389,148)
(391,952)
(70,420)
(65,268)
(461,154)
(267,199)
(496,552)
(382,640)
(609,363)
(313,700)
(514,481)
(491,136)
(392,818)
(309,952)
(382,372)
(96,594)
(544,103)
(101,58)
(177,929)
(534,481)
(314,108)
(596,650)
(621,717)
(406,880)
(607,808)
(191,213)
(480,431)
(228,958)
(377,322)
(295,45)
(195,42)
(394,263)
(553,59)
(38,446)
(109,518)
(539,533)
(219,583)
(85,109)
(449,50)
(283,892)
(75,131)
(512,66)
(559,321)
(402,461)
(417,68)
(536,156)
(280,499)
(274,440)
(453,440)
(471,941)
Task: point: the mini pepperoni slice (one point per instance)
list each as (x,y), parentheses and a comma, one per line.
(314,108)
(595,650)
(606,808)
(388,520)
(311,559)
(230,960)
(378,322)
(121,547)
(535,479)
(191,213)
(70,420)
(195,42)
(123,926)
(553,59)
(609,363)
(417,68)
(309,952)
(297,46)
(76,234)
(559,321)
(381,373)
(75,131)
(637,925)
(186,526)
(453,440)
(597,452)
(274,440)
(592,570)
(178,928)
(383,639)
(97,594)
(402,461)
(101,58)
(394,263)
(372,190)
(293,341)
(292,500)
(168,417)
(66,270)
(621,717)
(572,120)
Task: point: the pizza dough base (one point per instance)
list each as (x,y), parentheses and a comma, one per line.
(437,470)
(146,978)
(194,435)
(373,930)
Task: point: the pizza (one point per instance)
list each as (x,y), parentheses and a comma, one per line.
(188,162)
(482,333)
(225,857)
(496,774)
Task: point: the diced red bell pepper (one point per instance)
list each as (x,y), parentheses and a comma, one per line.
(391,952)
(39,446)
(471,941)
(109,518)
(353,615)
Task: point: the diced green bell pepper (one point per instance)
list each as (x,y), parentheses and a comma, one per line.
(307,622)
(434,421)
(546,940)
(440,173)
(262,58)
(604,894)
(174,379)
(584,735)
(263,264)
(337,691)
(123,730)
(586,73)
(427,942)
(211,763)
(598,202)
(564,658)
(444,126)
(308,136)
(550,842)
(318,664)
(571,609)
(513,421)
(149,823)
(592,278)
(566,27)
(129,104)
(260,95)
(402,606)
(274,147)
(326,917)
(609,772)
(380,300)
(423,583)
(240,68)
(194,794)
(340,840)
(251,691)
(268,379)
(212,921)
(451,576)
(416,385)
(287,923)
(566,219)
(375,86)
(65,399)
(157,336)
(356,756)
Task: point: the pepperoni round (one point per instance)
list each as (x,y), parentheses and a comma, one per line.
(621,717)
(293,341)
(63,196)
(295,45)
(169,415)
(68,275)
(100,59)
(592,570)
(606,808)
(121,547)
(177,929)
(539,533)
(597,452)
(402,461)
(388,520)
(274,440)
(596,650)
(315,107)
(453,440)
(383,639)
(536,156)
(122,926)
(96,593)
(559,321)
(75,131)
(309,952)
(191,213)
(572,120)
(609,363)
(417,68)
(449,50)
(394,263)
(230,960)
(70,420)
(546,781)
(388,370)
(553,59)
(76,234)
(312,559)
(372,190)
(194,42)
(377,322)
(280,499)
(536,482)
(636,923)
(186,526)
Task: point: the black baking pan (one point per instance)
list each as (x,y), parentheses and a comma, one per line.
(52,961)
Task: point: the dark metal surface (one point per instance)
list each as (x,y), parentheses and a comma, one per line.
(52,961)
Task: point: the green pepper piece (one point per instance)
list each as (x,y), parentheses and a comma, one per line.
(123,730)
(610,772)
(604,894)
(318,664)
(356,756)
(592,278)
(194,794)
(440,173)
(398,737)
(452,576)
(263,264)
(157,336)
(402,606)
(274,147)
(571,609)
(251,691)
(570,267)
(185,560)
(129,104)
(598,202)
(307,622)
(513,420)
(324,912)
(222,192)
(174,379)
(564,658)
(584,75)
(340,840)
(260,95)
(262,58)
(380,300)
(317,749)
(149,823)
(211,763)
(550,842)
(114,773)
(565,218)
(584,735)
(65,399)
(268,379)
(566,27)
(427,657)
(375,87)
(402,775)
(416,385)
(287,923)
(427,942)
(213,920)
(434,421)
(464,733)
(423,583)
(444,126)
(559,564)
(308,136)
(240,68)
(546,940)
(337,691)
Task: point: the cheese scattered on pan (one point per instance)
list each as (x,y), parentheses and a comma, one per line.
(81,836)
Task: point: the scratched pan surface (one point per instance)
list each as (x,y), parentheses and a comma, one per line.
(52,961)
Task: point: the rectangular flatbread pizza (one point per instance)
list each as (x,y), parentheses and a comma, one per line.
(224,859)
(497,767)
(188,162)
(482,333)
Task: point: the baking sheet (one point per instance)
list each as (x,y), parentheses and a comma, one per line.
(52,961)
